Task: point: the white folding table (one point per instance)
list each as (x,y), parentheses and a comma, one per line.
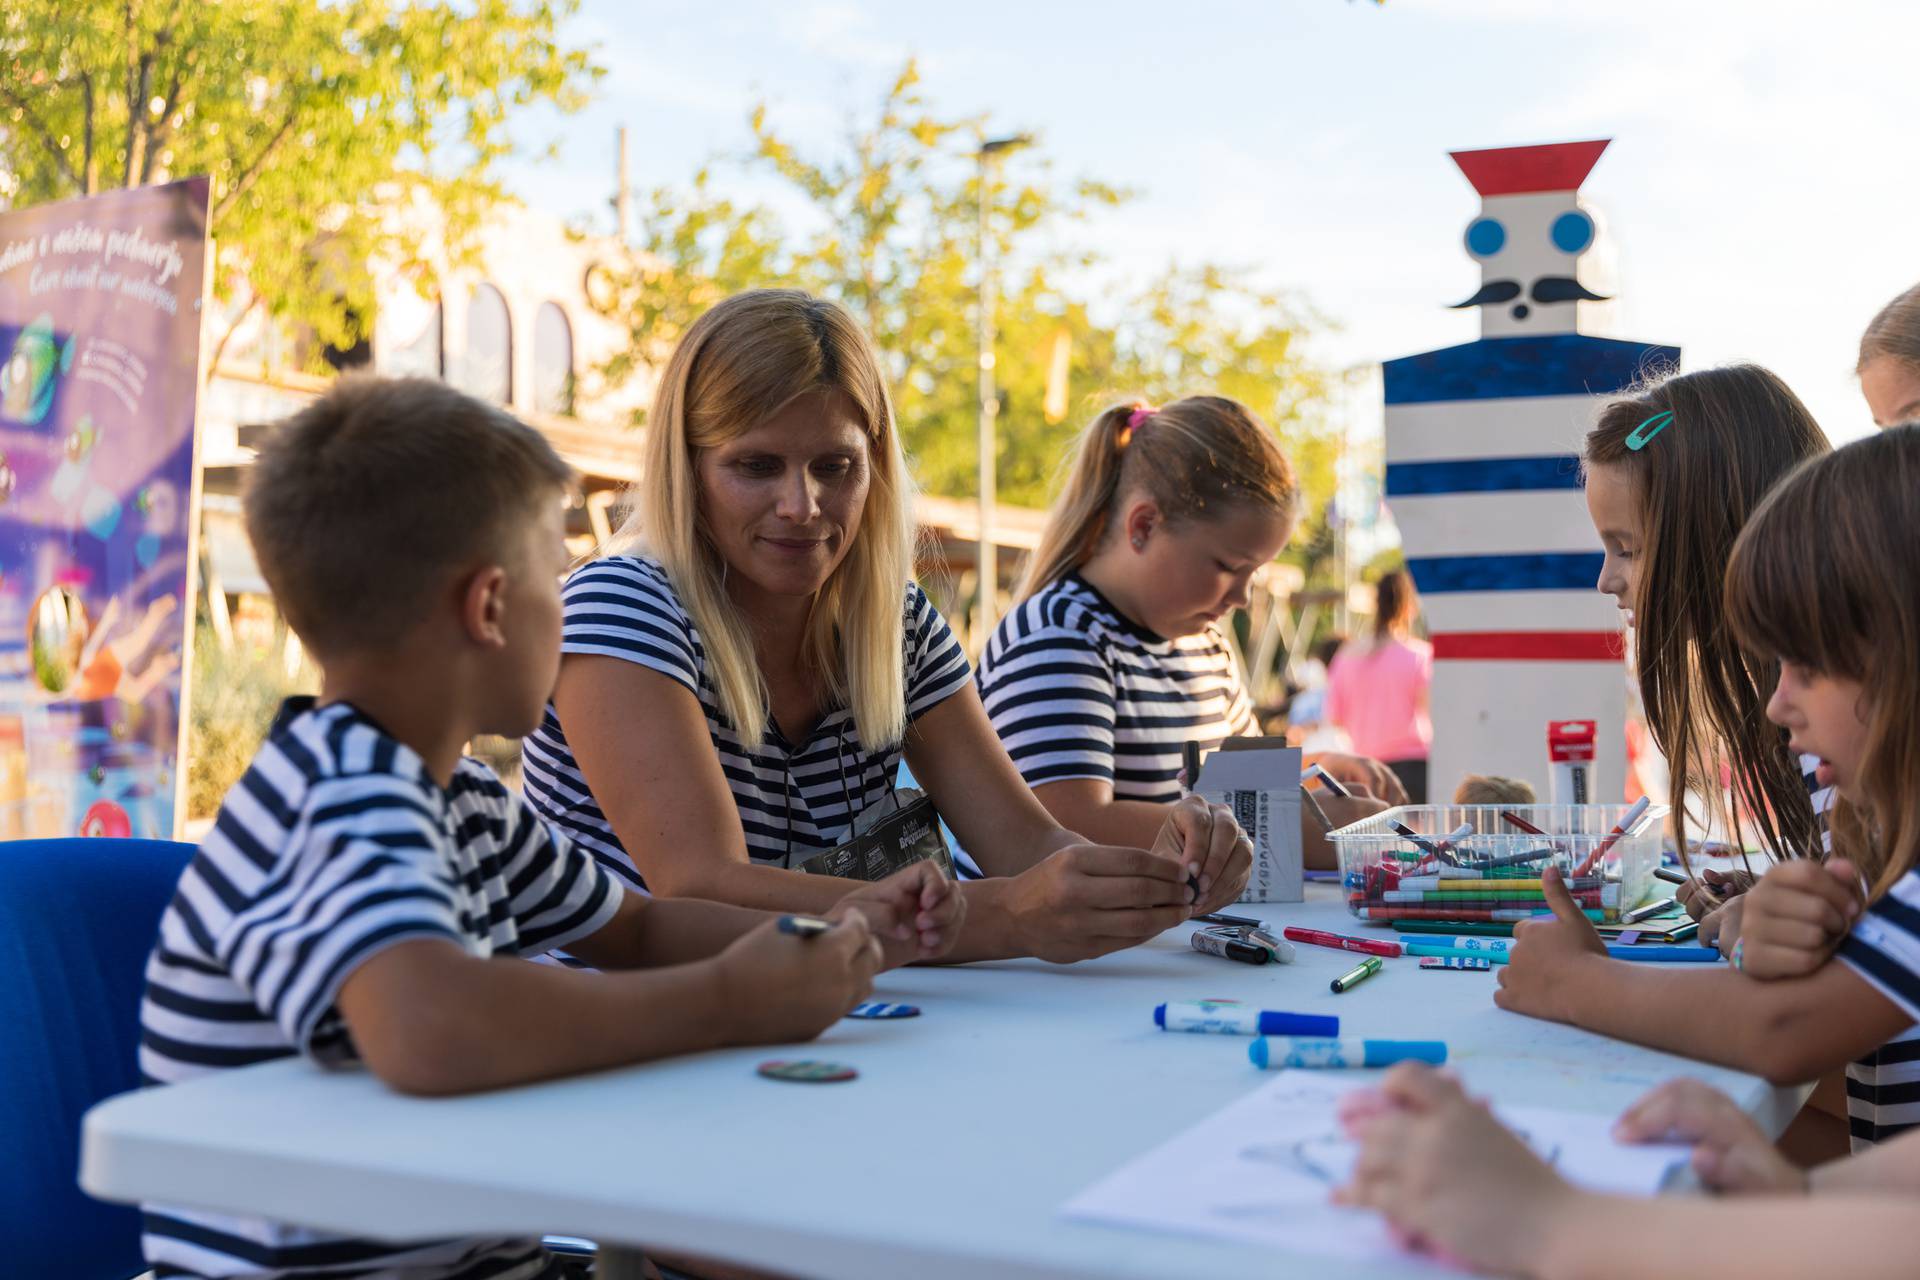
(1021,1084)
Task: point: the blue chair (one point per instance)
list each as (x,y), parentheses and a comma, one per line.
(77,918)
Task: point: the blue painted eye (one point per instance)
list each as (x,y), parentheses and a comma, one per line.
(1572,232)
(1486,237)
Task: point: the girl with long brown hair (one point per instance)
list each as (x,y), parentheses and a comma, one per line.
(1114,658)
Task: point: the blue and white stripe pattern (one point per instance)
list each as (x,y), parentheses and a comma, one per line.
(1076,690)
(793,801)
(1483,472)
(334,846)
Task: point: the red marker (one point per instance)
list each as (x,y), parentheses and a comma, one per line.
(1341,942)
(1620,828)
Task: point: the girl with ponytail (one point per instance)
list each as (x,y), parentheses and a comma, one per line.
(1113,658)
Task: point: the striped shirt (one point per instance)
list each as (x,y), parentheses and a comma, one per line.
(335,845)
(794,800)
(1883,1088)
(1077,690)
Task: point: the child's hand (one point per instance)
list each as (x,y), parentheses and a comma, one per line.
(1545,952)
(1447,1176)
(1710,889)
(1796,916)
(915,913)
(1359,774)
(777,987)
(1730,1152)
(1720,927)
(1210,847)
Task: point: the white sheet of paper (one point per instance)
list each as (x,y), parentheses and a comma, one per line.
(1261,1171)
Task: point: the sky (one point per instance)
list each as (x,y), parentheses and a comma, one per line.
(1762,188)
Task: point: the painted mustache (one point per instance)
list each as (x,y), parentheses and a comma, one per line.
(1545,289)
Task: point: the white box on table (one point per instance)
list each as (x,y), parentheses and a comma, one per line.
(1260,782)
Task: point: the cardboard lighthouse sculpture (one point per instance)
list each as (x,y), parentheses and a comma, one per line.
(1483,479)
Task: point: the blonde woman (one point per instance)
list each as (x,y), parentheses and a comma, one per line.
(744,673)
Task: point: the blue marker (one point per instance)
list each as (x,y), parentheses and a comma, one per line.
(1667,953)
(1284,1051)
(1476,953)
(1217,1019)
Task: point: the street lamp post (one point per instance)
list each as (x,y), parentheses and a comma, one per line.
(989,156)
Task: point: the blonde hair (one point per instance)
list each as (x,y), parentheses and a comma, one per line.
(1482,788)
(1196,458)
(1894,332)
(738,365)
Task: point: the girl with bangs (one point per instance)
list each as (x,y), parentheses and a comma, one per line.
(744,671)
(1817,584)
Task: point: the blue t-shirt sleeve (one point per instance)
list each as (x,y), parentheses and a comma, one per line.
(625,608)
(936,665)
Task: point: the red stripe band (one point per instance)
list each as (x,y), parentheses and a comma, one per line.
(1530,646)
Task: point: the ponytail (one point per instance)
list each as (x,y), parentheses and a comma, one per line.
(1197,458)
(1077,520)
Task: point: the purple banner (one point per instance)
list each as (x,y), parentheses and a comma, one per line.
(100,308)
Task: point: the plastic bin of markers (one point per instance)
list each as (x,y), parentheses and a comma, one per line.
(1491,875)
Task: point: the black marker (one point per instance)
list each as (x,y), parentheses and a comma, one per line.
(1216,944)
(1669,875)
(1327,780)
(1219,917)
(803,926)
(1190,761)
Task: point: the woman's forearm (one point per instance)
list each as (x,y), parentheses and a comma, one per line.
(749,884)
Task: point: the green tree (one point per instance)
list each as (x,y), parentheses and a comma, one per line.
(894,236)
(321,122)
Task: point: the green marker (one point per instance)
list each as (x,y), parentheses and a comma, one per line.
(1358,974)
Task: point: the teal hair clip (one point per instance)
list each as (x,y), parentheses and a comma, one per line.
(1649,429)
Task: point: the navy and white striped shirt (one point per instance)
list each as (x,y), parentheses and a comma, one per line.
(335,845)
(794,801)
(1076,690)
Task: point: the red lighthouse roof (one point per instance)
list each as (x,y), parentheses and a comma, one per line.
(1513,171)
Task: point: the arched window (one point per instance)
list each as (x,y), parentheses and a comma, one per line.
(486,366)
(552,360)
(419,353)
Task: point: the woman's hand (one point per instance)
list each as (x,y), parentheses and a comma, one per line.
(1449,1178)
(1546,952)
(1209,846)
(1730,1152)
(915,913)
(1086,900)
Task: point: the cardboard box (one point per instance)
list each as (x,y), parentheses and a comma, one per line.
(1260,781)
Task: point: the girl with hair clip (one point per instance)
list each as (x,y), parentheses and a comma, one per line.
(1672,473)
(1889,367)
(744,670)
(1113,660)
(1814,589)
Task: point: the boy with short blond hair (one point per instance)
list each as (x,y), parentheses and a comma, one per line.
(366,889)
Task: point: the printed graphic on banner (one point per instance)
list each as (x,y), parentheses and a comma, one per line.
(100,307)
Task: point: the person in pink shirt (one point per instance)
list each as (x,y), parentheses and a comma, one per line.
(1377,687)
